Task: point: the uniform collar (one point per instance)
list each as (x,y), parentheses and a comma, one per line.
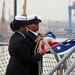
(35,33)
(21,34)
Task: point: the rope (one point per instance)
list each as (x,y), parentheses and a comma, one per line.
(49,47)
(37,46)
(46,43)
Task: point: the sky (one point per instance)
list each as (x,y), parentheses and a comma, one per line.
(44,9)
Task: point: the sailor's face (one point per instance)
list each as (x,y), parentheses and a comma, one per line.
(34,27)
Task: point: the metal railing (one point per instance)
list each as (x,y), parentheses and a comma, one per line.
(62,60)
(59,63)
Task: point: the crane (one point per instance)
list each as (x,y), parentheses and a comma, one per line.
(3,13)
(24,9)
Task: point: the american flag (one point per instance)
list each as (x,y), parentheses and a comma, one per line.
(64,46)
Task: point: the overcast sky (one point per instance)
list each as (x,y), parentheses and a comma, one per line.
(44,9)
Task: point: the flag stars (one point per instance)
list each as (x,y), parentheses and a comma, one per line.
(64,46)
(68,40)
(67,44)
(59,48)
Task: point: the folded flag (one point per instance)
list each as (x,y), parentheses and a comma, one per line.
(64,46)
(52,46)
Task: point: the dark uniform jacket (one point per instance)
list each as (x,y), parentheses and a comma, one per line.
(33,67)
(20,56)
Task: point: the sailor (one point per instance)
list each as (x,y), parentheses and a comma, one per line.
(19,49)
(34,36)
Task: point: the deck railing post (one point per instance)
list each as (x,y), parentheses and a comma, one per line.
(62,60)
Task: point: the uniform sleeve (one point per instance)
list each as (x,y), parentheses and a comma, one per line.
(25,53)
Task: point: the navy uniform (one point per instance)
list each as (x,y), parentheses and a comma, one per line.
(20,57)
(31,36)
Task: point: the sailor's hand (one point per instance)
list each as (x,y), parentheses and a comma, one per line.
(42,52)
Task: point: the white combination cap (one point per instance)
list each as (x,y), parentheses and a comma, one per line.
(18,22)
(33,19)
(21,18)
